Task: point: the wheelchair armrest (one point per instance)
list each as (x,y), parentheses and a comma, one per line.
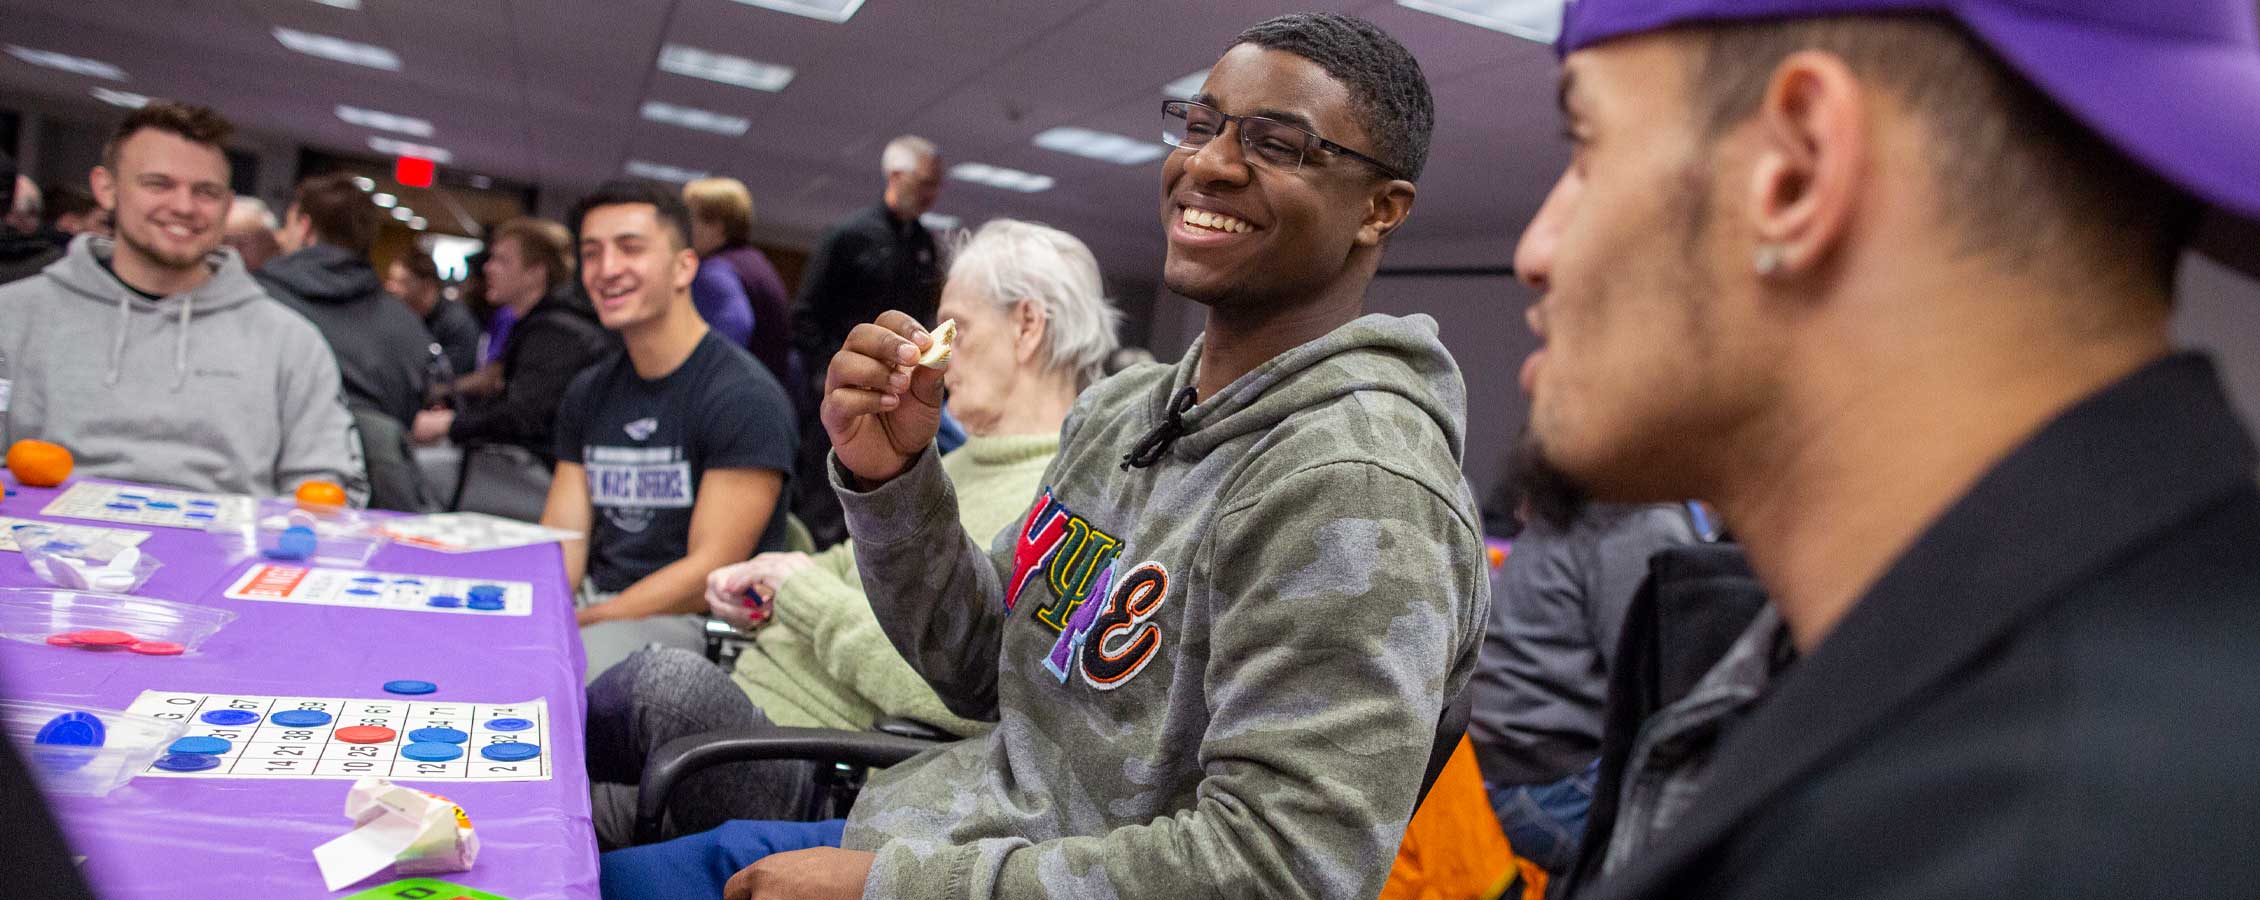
(905,726)
(682,757)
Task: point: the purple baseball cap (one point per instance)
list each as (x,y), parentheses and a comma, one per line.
(2173,84)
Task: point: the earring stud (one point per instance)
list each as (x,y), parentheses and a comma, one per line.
(1768,259)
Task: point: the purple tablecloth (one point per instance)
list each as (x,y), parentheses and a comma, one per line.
(184,837)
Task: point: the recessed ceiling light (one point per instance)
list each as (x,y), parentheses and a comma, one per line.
(662,171)
(695,119)
(76,65)
(395,147)
(384,201)
(341,4)
(828,10)
(384,121)
(365,183)
(738,70)
(1001,177)
(402,213)
(938,222)
(338,49)
(1101,145)
(418,223)
(1535,20)
(1184,88)
(127,99)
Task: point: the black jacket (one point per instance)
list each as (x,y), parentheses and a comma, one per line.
(867,265)
(2055,692)
(23,255)
(558,338)
(382,349)
(457,332)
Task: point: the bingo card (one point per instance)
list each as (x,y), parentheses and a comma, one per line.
(148,506)
(383,590)
(344,739)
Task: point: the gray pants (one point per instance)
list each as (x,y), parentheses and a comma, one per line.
(606,644)
(655,696)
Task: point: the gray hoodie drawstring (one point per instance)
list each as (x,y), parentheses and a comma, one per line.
(118,343)
(180,349)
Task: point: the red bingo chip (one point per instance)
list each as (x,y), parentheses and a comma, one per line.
(156,648)
(102,638)
(62,640)
(365,734)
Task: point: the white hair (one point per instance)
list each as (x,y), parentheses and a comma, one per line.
(257,207)
(1011,261)
(906,153)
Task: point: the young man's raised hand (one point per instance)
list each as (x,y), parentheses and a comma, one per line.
(881,408)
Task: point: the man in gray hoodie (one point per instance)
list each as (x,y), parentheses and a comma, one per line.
(1218,649)
(154,357)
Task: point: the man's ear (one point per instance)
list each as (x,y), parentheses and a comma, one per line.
(1387,207)
(104,184)
(686,268)
(1812,156)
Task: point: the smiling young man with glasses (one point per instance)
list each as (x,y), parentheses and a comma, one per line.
(1219,647)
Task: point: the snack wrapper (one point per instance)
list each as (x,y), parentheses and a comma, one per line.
(412,831)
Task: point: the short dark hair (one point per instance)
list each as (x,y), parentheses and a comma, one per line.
(1388,91)
(69,200)
(342,215)
(622,192)
(2022,177)
(193,123)
(419,265)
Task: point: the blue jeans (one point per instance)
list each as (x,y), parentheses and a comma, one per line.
(1545,822)
(699,865)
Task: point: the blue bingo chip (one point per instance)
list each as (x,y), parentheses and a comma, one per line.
(438,736)
(201,744)
(368,579)
(192,514)
(129,495)
(128,506)
(432,751)
(230,717)
(410,686)
(163,504)
(188,762)
(444,601)
(486,590)
(71,729)
(364,592)
(512,752)
(301,718)
(489,604)
(203,502)
(509,724)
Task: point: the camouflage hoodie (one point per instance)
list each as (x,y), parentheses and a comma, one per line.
(1216,675)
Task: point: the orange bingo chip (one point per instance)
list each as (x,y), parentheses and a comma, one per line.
(365,734)
(39,463)
(321,493)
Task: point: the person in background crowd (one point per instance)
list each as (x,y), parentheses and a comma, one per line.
(556,336)
(22,254)
(250,229)
(414,278)
(154,356)
(672,453)
(382,348)
(71,211)
(1890,283)
(722,231)
(1541,681)
(880,259)
(1034,326)
(26,210)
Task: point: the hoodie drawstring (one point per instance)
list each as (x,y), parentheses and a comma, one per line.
(180,349)
(1157,442)
(118,342)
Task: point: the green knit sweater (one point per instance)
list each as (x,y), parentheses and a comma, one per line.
(823,660)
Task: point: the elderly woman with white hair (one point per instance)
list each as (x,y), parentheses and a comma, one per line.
(1034,330)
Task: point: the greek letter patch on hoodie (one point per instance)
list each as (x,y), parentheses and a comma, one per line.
(1104,622)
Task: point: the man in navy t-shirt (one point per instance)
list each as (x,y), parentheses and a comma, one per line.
(670,455)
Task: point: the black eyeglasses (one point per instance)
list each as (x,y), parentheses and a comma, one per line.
(1277,145)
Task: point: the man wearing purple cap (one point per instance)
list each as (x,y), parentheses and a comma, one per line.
(1890,282)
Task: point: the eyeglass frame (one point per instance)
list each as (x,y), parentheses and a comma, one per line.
(1242,137)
